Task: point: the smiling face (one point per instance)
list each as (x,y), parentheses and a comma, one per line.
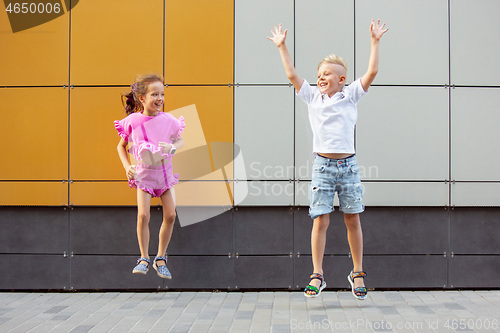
(331,78)
(154,98)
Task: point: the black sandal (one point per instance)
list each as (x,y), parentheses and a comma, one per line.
(359,292)
(313,288)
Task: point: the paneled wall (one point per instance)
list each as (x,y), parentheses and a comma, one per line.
(425,141)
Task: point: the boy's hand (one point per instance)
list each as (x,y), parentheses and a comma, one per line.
(377,31)
(279,36)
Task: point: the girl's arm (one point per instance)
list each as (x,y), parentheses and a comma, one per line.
(376,32)
(279,38)
(178,144)
(122,153)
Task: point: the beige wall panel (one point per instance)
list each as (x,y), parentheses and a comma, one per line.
(405,194)
(474,46)
(475,194)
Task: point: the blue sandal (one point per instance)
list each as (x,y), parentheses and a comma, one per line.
(359,292)
(162,271)
(313,288)
(141,268)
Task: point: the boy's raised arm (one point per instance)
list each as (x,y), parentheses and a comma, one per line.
(279,37)
(376,32)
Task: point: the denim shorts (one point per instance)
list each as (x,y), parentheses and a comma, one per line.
(330,176)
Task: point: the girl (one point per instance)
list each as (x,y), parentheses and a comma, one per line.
(155,136)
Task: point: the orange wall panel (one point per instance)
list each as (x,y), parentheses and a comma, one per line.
(214,117)
(93,135)
(214,106)
(113,41)
(36,56)
(199,41)
(105,194)
(34,193)
(102,194)
(34,129)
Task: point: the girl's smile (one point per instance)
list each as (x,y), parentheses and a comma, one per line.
(154,99)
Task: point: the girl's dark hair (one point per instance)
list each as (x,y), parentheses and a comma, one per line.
(131,101)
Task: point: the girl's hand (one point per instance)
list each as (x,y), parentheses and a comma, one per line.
(377,31)
(165,147)
(279,36)
(130,171)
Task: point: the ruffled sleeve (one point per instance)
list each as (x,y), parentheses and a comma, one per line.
(181,127)
(121,130)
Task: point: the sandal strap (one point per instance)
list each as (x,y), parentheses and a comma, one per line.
(312,288)
(317,276)
(160,258)
(361,290)
(143,259)
(355,275)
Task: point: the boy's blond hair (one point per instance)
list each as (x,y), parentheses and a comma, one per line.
(334,59)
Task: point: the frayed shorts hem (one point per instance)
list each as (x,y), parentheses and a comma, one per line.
(317,211)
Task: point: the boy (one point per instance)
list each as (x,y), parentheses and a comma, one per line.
(333,114)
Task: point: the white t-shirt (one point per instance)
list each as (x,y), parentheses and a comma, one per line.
(332,118)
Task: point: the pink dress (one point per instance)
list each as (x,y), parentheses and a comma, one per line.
(154,173)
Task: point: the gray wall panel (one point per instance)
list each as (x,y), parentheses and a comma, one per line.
(110,272)
(28,271)
(475,231)
(405,230)
(413,271)
(263,230)
(200,272)
(110,230)
(263,272)
(34,230)
(475,271)
(210,237)
(404,248)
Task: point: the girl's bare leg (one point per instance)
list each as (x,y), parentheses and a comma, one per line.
(167,225)
(143,217)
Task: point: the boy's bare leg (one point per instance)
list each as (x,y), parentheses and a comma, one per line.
(143,216)
(167,225)
(355,238)
(318,243)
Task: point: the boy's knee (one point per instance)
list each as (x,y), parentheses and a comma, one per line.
(322,222)
(352,220)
